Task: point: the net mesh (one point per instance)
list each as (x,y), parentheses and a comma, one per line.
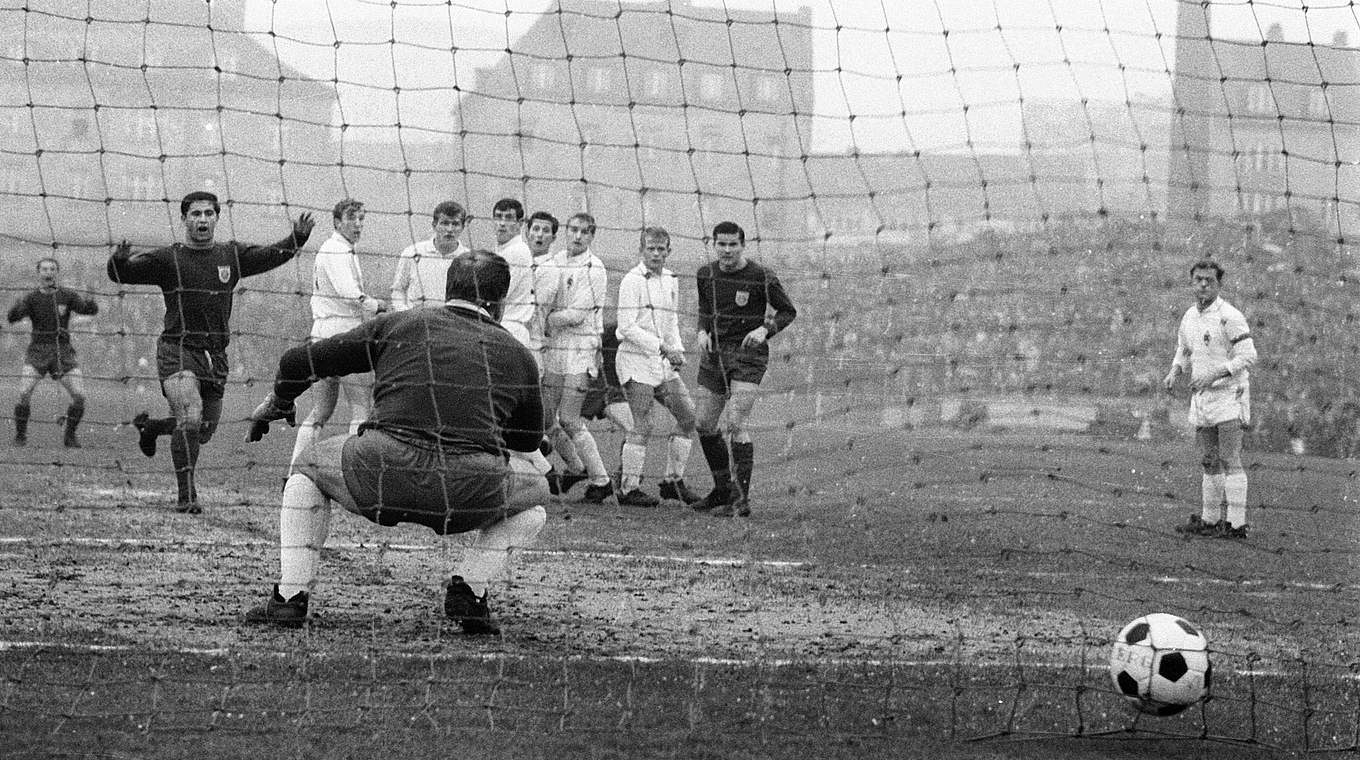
(985,214)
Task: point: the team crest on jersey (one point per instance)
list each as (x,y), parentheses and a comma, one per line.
(1206,338)
(224,273)
(743,297)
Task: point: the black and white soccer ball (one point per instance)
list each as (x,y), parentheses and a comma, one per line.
(1160,663)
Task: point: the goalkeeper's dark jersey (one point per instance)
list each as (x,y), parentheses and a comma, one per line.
(198,284)
(732,304)
(49,311)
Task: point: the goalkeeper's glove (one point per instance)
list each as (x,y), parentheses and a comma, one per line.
(272,408)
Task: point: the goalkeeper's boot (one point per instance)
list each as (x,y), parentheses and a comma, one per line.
(286,613)
(1229,532)
(469,611)
(678,491)
(720,496)
(1197,527)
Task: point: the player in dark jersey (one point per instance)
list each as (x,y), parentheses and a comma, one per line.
(741,306)
(49,309)
(198,279)
(454,394)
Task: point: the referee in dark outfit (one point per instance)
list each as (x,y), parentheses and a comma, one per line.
(454,392)
(741,306)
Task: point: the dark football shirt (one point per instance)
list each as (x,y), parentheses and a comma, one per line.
(450,377)
(732,304)
(198,284)
(50,312)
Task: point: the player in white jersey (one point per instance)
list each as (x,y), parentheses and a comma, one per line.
(339,304)
(508,216)
(1214,346)
(649,358)
(574,324)
(423,267)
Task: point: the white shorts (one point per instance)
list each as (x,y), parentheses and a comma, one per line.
(1218,405)
(571,361)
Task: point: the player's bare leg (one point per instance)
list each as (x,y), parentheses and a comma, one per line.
(28,380)
(74,383)
(675,397)
(633,458)
(186,404)
(741,399)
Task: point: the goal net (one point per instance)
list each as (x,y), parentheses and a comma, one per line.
(967,470)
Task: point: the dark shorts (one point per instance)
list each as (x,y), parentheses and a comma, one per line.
(210,367)
(717,371)
(51,359)
(392,482)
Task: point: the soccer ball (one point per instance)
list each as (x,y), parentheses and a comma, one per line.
(1160,663)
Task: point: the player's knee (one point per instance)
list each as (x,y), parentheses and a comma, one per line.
(574,427)
(205,431)
(78,402)
(190,423)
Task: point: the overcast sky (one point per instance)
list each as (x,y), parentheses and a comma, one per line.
(1063,49)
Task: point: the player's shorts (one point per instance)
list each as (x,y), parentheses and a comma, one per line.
(393,481)
(718,370)
(52,359)
(210,367)
(1214,406)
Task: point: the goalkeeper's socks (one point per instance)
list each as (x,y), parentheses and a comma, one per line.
(1235,486)
(1212,495)
(718,457)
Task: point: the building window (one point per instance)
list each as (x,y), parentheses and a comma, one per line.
(1260,100)
(767,89)
(545,78)
(711,86)
(601,80)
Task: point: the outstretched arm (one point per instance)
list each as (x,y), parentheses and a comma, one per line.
(260,259)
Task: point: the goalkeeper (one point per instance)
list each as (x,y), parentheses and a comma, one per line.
(438,459)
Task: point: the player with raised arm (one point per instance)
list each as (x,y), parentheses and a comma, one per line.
(1214,346)
(48,309)
(574,322)
(649,358)
(435,459)
(198,279)
(741,306)
(422,267)
(339,303)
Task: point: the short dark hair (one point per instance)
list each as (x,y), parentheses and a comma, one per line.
(479,276)
(654,232)
(452,209)
(195,196)
(45,259)
(1208,264)
(729,228)
(346,206)
(508,204)
(544,216)
(585,217)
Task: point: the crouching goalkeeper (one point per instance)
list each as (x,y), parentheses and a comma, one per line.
(453,393)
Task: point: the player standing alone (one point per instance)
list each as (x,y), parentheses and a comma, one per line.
(49,309)
(339,304)
(1214,345)
(741,306)
(197,279)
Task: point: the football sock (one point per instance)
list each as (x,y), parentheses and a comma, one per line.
(743,460)
(183,452)
(677,455)
(1235,486)
(1211,491)
(307,433)
(719,458)
(21,415)
(633,459)
(590,454)
(485,559)
(304,522)
(567,450)
(161,426)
